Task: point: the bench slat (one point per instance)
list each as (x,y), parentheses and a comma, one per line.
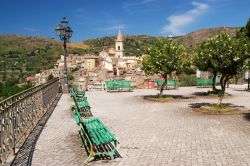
(100,133)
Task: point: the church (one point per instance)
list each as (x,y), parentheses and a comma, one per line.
(116,62)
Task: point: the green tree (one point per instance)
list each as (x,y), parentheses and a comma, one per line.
(247,27)
(70,77)
(1,89)
(26,86)
(227,56)
(163,58)
(50,77)
(205,55)
(244,34)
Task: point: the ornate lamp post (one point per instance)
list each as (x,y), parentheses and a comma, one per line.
(64,32)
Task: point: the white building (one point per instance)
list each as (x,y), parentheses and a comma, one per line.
(106,61)
(119,45)
(114,60)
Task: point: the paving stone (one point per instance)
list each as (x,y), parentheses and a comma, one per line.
(152,133)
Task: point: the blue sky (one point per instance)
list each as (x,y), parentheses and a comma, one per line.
(98,18)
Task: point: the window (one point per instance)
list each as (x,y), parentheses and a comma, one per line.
(119,48)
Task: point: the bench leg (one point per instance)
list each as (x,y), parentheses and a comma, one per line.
(83,141)
(91,154)
(87,144)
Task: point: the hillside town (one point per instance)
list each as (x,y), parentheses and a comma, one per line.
(91,71)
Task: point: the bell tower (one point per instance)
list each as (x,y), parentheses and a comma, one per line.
(119,43)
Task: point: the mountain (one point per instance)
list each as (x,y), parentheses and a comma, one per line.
(135,44)
(193,38)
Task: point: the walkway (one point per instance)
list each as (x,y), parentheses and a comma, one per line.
(151,133)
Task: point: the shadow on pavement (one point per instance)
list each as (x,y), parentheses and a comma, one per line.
(198,105)
(246,116)
(172,96)
(242,90)
(208,94)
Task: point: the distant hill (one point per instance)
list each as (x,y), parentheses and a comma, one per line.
(135,44)
(79,45)
(21,56)
(193,38)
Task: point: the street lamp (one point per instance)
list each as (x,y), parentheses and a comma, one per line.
(64,32)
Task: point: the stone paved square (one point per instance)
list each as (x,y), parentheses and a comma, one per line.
(152,133)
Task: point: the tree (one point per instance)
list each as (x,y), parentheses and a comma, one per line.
(70,77)
(247,27)
(227,56)
(244,33)
(163,58)
(187,66)
(50,77)
(205,55)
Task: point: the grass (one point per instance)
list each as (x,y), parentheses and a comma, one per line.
(211,94)
(220,106)
(164,97)
(217,109)
(157,98)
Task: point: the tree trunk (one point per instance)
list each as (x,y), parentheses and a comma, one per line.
(223,82)
(214,81)
(223,86)
(163,85)
(248,86)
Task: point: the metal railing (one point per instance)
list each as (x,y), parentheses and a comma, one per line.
(20,113)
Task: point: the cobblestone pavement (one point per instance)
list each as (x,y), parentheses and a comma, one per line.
(153,133)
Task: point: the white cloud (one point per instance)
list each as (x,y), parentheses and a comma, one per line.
(176,23)
(113,28)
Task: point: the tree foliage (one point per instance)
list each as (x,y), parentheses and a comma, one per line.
(164,57)
(206,58)
(11,88)
(223,55)
(247,27)
(50,77)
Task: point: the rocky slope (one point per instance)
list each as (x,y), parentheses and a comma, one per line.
(193,38)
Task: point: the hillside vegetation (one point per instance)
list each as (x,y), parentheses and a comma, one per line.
(135,44)
(21,56)
(27,55)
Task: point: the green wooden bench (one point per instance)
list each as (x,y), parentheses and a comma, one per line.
(80,93)
(204,82)
(170,83)
(98,141)
(118,85)
(82,105)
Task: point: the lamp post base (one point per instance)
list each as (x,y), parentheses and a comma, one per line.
(65,89)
